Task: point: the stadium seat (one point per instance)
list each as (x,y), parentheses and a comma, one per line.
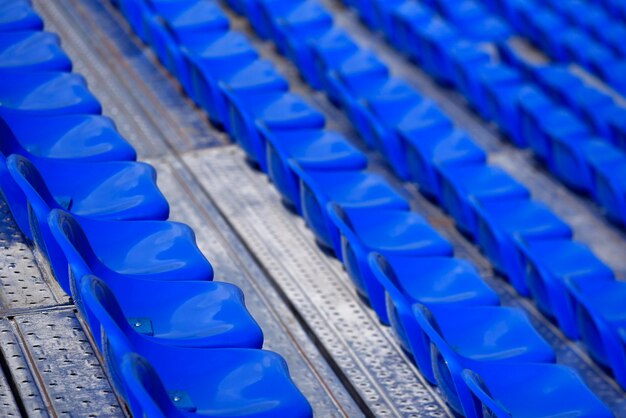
(273,110)
(346,188)
(469,337)
(541,390)
(208,61)
(385,231)
(119,251)
(503,224)
(180,314)
(601,321)
(314,149)
(548,264)
(426,154)
(105,190)
(431,281)
(465,186)
(32,51)
(45,93)
(219,382)
(18,15)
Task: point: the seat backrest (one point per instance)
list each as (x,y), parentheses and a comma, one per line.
(29,179)
(74,244)
(8,142)
(108,326)
(147,397)
(482,401)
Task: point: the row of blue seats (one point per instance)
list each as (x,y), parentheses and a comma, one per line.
(562,41)
(616,8)
(323,177)
(577,131)
(564,278)
(548,219)
(571,149)
(593,19)
(174,342)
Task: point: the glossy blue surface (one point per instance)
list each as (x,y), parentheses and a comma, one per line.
(32,51)
(45,93)
(104,190)
(468,337)
(315,149)
(425,155)
(346,188)
(72,137)
(465,186)
(429,281)
(274,111)
(385,231)
(181,314)
(18,15)
(503,224)
(222,381)
(124,250)
(601,321)
(542,390)
(548,264)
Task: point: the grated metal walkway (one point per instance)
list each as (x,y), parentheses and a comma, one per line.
(343,360)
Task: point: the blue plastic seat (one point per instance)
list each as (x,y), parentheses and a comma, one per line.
(32,51)
(310,149)
(559,123)
(558,80)
(187,19)
(182,314)
(120,252)
(404,20)
(384,12)
(425,154)
(493,81)
(209,61)
(178,23)
(104,190)
(18,15)
(273,110)
(548,264)
(466,59)
(594,107)
(609,185)
(601,321)
(401,121)
(385,231)
(502,224)
(434,40)
(381,92)
(571,158)
(352,188)
(534,106)
(469,337)
(72,137)
(354,75)
(218,382)
(502,104)
(617,125)
(465,186)
(541,391)
(432,281)
(135,13)
(260,76)
(297,21)
(45,93)
(327,52)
